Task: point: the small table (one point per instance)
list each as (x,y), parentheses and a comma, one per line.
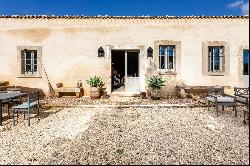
(8,96)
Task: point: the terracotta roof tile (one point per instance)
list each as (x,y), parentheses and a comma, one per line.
(121,17)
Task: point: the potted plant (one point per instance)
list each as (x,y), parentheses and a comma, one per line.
(155,83)
(96,85)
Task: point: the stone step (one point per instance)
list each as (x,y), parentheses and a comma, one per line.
(125,94)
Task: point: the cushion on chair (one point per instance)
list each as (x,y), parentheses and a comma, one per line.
(221,99)
(25,105)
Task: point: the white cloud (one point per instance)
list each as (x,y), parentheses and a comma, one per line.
(244,7)
(235,4)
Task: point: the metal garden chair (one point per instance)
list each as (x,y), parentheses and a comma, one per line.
(217,96)
(242,96)
(32,103)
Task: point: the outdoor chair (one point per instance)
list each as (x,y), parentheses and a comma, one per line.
(30,105)
(242,96)
(7,102)
(218,97)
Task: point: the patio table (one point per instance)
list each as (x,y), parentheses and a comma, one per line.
(8,96)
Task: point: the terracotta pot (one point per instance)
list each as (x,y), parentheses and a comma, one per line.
(156,94)
(94,93)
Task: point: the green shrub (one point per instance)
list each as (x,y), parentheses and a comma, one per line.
(155,82)
(95,82)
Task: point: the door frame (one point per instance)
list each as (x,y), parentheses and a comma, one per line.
(109,91)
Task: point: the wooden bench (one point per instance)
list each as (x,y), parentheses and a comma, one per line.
(78,91)
(188,90)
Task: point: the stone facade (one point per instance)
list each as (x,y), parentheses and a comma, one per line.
(68,48)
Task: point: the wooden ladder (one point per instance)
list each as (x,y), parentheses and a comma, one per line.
(51,90)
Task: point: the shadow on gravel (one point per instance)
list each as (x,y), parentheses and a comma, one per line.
(48,111)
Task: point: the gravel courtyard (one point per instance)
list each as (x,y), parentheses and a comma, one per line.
(127,136)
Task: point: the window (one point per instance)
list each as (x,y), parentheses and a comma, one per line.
(245,62)
(216,58)
(167,57)
(28,61)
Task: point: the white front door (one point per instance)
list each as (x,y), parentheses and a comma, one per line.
(132,79)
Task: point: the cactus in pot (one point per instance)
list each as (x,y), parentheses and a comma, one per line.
(155,83)
(96,85)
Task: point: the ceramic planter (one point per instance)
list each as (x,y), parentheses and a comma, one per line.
(95,93)
(155,94)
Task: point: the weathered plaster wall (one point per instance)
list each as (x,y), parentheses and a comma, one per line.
(69,47)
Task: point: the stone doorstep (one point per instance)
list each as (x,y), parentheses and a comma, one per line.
(124,94)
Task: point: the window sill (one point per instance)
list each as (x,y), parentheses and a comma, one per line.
(216,74)
(167,73)
(29,76)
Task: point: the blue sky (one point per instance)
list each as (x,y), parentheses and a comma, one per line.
(124,7)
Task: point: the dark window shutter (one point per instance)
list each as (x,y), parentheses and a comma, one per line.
(210,54)
(35,54)
(22,62)
(223,59)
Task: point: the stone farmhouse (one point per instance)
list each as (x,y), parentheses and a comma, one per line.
(124,51)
